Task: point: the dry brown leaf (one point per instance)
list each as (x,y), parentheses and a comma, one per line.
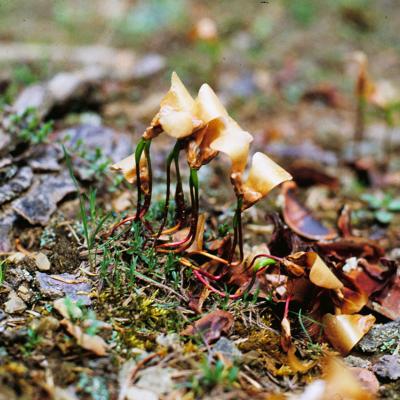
(345,331)
(300,219)
(93,343)
(211,326)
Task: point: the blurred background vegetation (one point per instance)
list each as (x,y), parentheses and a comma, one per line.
(250,32)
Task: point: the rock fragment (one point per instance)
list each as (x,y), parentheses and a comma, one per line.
(388,367)
(40,202)
(6,222)
(54,286)
(14,305)
(44,158)
(42,262)
(21,181)
(227,349)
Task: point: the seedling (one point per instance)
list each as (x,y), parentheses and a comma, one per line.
(202,128)
(383,208)
(28,126)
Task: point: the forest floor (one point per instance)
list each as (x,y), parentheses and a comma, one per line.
(88,312)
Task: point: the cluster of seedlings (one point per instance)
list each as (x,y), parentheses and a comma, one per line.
(203,128)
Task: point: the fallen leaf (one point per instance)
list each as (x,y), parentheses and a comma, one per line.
(211,326)
(300,219)
(307,174)
(324,93)
(387,302)
(93,343)
(345,331)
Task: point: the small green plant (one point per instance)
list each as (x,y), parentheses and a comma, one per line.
(2,271)
(383,207)
(33,339)
(213,375)
(92,219)
(94,386)
(29,127)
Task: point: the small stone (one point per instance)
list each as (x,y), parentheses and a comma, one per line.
(135,393)
(15,258)
(24,293)
(170,341)
(54,286)
(358,362)
(6,223)
(42,262)
(14,305)
(47,324)
(2,315)
(156,379)
(148,65)
(388,367)
(68,311)
(34,96)
(44,158)
(228,349)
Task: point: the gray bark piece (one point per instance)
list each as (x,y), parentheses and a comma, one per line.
(45,158)
(40,202)
(54,288)
(379,335)
(5,141)
(7,170)
(6,223)
(113,145)
(34,96)
(16,185)
(388,367)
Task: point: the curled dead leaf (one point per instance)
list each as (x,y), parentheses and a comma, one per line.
(93,343)
(127,167)
(295,364)
(320,274)
(211,326)
(264,175)
(300,219)
(345,331)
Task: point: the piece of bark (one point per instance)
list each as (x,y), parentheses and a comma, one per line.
(40,202)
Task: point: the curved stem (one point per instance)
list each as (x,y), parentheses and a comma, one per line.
(138,155)
(147,199)
(237,231)
(177,247)
(173,155)
(180,213)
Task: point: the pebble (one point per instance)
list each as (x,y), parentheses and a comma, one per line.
(42,262)
(14,305)
(228,349)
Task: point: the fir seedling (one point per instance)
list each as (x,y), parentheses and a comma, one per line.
(202,128)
